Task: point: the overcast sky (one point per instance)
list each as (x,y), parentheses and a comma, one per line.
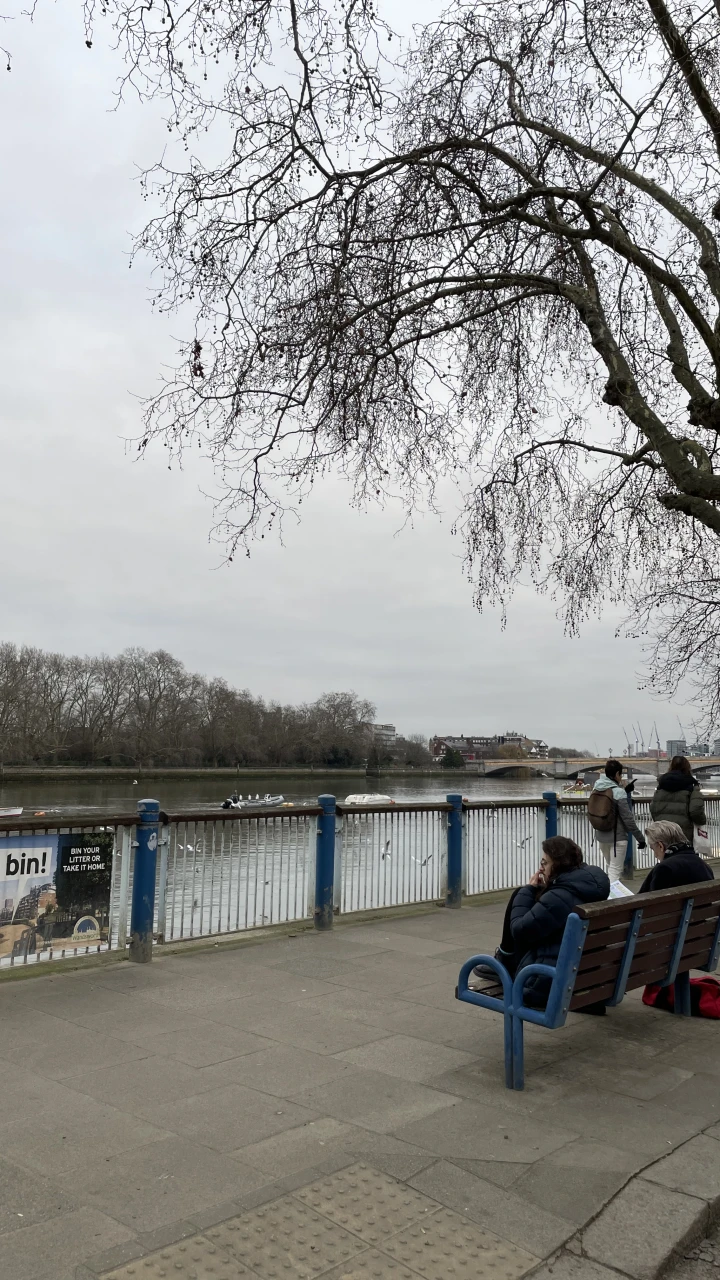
(100,552)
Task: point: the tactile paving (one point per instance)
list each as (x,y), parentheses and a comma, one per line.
(448,1247)
(195,1259)
(367,1202)
(371,1266)
(285,1239)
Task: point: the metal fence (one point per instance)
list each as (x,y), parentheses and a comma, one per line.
(226,872)
(573,822)
(502,843)
(222,874)
(21,943)
(391,855)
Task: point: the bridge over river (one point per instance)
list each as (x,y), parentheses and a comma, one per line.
(702,766)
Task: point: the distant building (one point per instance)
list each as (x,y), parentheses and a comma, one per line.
(655,754)
(676,747)
(385,734)
(716,747)
(698,749)
(480,747)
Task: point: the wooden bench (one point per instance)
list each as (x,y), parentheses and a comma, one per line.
(607,948)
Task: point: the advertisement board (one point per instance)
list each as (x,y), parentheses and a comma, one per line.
(54,893)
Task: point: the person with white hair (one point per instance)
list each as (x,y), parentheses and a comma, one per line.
(677,862)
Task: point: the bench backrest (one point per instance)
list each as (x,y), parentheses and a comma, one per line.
(648,937)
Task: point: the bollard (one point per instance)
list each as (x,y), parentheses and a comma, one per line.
(551,814)
(453,897)
(325,864)
(143,894)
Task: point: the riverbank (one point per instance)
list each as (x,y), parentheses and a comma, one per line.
(109,773)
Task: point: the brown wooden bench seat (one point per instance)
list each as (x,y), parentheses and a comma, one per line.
(608,948)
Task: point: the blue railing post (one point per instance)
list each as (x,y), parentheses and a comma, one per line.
(551,814)
(143,894)
(325,864)
(453,897)
(629,865)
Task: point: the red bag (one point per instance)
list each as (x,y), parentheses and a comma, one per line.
(704,997)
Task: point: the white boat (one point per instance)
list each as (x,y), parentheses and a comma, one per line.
(11,813)
(368,797)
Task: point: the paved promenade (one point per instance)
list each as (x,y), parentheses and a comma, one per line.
(320,1105)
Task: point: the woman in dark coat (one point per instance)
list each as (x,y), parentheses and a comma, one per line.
(536,914)
(678,798)
(677,862)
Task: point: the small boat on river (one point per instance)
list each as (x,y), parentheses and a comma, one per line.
(259,802)
(11,813)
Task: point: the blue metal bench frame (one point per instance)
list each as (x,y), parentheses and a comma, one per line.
(563,976)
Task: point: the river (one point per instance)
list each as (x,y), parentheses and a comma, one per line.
(175,794)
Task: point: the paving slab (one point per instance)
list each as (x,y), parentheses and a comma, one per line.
(286,1238)
(282,1070)
(470,1130)
(367,1202)
(377,1101)
(194,1259)
(170,1180)
(448,1239)
(694,1168)
(505,1212)
(170,1099)
(27,1197)
(205,1044)
(407,1057)
(231,1117)
(640,1230)
(51,1250)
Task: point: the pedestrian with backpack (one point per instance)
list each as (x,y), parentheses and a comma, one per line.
(611,818)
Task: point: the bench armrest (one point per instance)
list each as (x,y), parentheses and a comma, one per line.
(476,997)
(546,1017)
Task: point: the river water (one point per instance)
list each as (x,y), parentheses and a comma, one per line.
(176,794)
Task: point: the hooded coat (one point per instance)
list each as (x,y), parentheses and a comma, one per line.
(681,865)
(678,799)
(537,922)
(625,821)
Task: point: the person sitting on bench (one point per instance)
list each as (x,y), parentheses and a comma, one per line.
(536,914)
(677,862)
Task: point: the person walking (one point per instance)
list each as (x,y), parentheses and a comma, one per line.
(678,798)
(611,817)
(677,862)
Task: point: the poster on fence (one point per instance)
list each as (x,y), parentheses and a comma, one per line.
(54,893)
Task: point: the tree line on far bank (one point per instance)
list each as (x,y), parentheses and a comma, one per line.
(141,708)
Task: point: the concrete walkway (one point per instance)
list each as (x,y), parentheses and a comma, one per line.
(320,1105)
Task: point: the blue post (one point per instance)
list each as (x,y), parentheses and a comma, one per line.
(143,894)
(629,867)
(453,897)
(551,813)
(325,864)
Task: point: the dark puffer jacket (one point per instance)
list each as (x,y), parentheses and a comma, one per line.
(678,799)
(537,923)
(681,865)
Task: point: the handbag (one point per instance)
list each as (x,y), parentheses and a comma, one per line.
(701,842)
(704,997)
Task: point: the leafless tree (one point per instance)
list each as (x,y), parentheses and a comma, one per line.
(490,256)
(145,708)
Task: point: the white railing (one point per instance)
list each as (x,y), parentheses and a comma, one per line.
(220,873)
(573,822)
(227,874)
(502,843)
(391,855)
